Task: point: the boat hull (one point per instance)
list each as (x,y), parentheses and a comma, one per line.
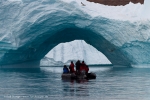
(74,76)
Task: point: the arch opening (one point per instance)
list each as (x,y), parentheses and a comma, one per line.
(64,53)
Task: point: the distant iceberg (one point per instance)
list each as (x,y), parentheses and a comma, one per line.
(63,53)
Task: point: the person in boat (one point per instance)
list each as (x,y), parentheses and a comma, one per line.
(78,66)
(71,67)
(65,70)
(84,67)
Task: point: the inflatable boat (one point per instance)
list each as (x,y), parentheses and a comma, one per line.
(78,76)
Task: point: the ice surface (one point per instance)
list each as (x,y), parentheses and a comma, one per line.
(29,29)
(146,8)
(73,51)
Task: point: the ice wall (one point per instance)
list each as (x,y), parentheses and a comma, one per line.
(29,29)
(73,51)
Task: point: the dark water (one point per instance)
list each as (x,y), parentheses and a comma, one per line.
(45,84)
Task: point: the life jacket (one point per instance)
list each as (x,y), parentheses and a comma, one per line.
(71,67)
(65,70)
(84,67)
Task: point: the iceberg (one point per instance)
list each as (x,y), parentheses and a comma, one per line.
(30,29)
(75,50)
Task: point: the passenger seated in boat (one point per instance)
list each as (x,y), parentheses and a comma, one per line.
(84,67)
(71,67)
(65,70)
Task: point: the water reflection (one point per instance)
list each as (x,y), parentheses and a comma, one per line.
(75,87)
(110,84)
(24,81)
(20,70)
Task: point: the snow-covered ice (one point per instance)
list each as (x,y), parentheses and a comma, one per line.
(73,51)
(30,29)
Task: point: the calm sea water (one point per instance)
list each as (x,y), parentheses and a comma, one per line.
(45,83)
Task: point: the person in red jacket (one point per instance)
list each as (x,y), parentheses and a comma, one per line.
(84,67)
(71,67)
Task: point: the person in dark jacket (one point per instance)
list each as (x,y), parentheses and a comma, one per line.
(65,69)
(78,66)
(71,67)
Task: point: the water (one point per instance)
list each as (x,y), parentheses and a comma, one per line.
(45,84)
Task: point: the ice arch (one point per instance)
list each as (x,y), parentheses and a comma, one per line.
(113,53)
(31,28)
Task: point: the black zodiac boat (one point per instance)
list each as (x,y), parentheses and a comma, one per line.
(79,76)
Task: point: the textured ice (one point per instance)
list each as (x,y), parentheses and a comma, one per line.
(29,29)
(145,11)
(63,53)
